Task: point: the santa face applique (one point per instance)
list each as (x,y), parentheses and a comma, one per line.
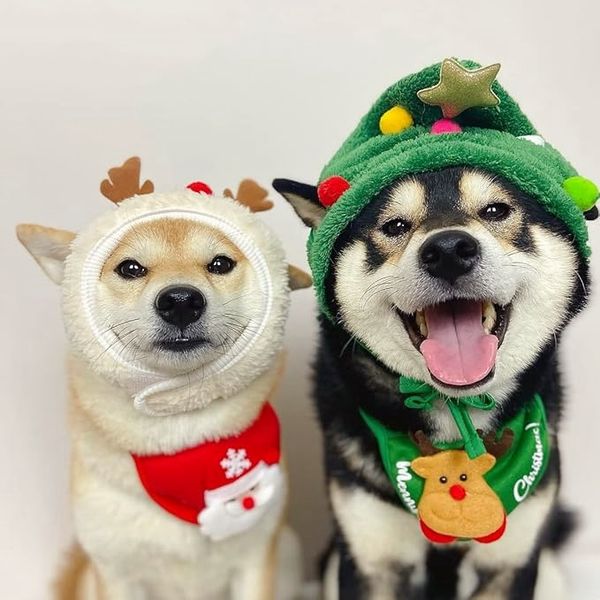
(225,486)
(236,507)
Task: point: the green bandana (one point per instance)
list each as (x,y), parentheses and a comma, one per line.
(515,475)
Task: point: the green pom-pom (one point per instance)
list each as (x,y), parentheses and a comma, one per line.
(583,191)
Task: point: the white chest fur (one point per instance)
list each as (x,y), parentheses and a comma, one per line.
(133,542)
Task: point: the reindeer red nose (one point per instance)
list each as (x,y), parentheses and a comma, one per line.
(458,492)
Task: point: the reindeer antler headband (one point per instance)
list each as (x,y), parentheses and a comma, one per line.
(124,182)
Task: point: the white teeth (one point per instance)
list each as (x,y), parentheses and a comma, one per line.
(421,323)
(489,316)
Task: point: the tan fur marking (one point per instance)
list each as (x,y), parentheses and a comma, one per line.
(173,250)
(67,583)
(407,203)
(298,278)
(477,190)
(175,236)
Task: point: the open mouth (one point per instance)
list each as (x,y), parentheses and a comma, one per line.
(181,344)
(458,339)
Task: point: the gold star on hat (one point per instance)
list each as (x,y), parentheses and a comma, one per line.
(460,88)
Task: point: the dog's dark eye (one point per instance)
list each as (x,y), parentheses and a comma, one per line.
(463,477)
(220,265)
(130,269)
(498,211)
(395,227)
(443,479)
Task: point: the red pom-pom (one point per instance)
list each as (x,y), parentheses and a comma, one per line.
(248,503)
(331,189)
(200,188)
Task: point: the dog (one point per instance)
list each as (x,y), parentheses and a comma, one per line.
(455,249)
(174,306)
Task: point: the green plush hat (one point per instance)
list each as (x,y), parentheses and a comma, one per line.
(449,114)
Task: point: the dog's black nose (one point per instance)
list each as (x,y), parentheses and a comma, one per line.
(449,254)
(180,305)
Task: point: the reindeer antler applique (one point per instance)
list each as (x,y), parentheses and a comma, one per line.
(423,443)
(252,195)
(124,181)
(495,447)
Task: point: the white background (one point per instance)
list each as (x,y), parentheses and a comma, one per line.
(218,91)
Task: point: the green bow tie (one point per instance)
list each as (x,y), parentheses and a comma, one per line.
(421,396)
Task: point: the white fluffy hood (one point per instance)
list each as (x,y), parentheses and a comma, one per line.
(153,391)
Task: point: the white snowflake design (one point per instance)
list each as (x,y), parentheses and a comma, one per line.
(235,463)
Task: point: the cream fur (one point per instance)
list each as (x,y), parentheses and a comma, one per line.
(551,583)
(137,378)
(137,550)
(134,543)
(367,521)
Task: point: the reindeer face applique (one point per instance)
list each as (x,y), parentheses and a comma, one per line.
(457,502)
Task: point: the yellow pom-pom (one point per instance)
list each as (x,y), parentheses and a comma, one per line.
(395,120)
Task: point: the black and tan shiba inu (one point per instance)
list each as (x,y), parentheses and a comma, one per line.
(459,279)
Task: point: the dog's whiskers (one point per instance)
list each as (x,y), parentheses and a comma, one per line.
(126,345)
(116,340)
(112,328)
(383,285)
(250,293)
(583,286)
(345,346)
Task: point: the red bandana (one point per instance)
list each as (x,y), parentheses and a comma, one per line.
(225,485)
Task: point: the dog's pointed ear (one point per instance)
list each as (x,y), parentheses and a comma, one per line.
(303,198)
(49,247)
(298,278)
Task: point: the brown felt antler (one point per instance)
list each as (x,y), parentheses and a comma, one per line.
(426,448)
(496,447)
(252,195)
(124,181)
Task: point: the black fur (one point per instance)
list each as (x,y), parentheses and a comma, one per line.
(442,567)
(289,186)
(592,214)
(349,378)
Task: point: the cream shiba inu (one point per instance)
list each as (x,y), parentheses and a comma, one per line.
(174,306)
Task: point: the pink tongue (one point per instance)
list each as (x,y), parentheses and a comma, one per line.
(457,349)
